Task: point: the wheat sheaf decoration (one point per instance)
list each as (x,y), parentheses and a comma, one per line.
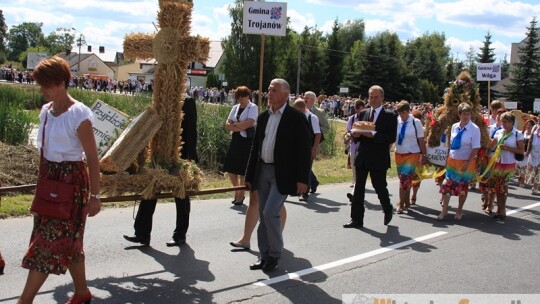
(463,89)
(173,49)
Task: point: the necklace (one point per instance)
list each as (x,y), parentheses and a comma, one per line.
(61,110)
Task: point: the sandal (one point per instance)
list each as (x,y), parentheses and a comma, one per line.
(413,201)
(399,211)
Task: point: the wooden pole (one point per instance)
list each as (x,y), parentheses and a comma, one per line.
(489,93)
(261,69)
(131,197)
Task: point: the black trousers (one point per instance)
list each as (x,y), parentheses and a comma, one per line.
(143,220)
(378,180)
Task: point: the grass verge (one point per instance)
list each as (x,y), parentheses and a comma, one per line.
(328,170)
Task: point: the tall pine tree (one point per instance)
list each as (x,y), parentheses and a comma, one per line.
(525,73)
(334,62)
(486,55)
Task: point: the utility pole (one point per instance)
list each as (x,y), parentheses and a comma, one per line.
(79,44)
(298,71)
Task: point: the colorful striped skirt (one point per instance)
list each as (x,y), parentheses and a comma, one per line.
(406,166)
(456,182)
(55,244)
(498,179)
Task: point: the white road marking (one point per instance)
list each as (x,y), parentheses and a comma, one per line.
(522,208)
(298,274)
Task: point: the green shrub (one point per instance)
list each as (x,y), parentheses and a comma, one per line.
(213,138)
(15,123)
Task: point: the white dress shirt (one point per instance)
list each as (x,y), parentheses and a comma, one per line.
(470,139)
(267,152)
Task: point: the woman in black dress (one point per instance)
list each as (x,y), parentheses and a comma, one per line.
(241,124)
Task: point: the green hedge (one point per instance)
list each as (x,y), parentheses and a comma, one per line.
(213,138)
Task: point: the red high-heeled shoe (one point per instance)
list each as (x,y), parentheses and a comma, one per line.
(78,299)
(2,265)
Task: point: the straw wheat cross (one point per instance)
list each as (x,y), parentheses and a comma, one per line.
(173,49)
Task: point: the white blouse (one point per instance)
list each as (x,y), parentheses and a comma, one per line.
(61,139)
(470,139)
(410,141)
(508,157)
(251,111)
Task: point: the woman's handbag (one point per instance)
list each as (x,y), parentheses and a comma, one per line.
(518,156)
(53,199)
(250,132)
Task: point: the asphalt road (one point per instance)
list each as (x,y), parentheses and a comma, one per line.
(321,262)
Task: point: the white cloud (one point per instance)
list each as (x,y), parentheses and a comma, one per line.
(460,48)
(505,18)
(394,8)
(300,20)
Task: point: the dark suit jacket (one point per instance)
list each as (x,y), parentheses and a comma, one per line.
(374,153)
(189,130)
(291,151)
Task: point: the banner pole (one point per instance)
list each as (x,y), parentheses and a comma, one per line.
(261,67)
(489,93)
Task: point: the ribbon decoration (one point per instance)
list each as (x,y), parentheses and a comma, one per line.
(493,159)
(422,172)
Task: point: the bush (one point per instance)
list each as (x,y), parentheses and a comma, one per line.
(15,123)
(213,138)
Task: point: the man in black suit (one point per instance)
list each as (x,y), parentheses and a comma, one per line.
(278,166)
(374,158)
(143,220)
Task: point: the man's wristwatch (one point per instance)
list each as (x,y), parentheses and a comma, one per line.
(97,196)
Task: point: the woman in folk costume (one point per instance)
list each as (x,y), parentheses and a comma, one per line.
(410,152)
(533,159)
(521,166)
(507,141)
(461,163)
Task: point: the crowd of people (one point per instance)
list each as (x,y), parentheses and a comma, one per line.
(272,153)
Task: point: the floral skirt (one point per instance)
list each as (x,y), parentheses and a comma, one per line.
(498,179)
(532,177)
(406,166)
(456,182)
(55,244)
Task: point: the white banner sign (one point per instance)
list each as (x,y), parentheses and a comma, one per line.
(109,123)
(488,71)
(511,105)
(344,90)
(33,59)
(269,18)
(536,105)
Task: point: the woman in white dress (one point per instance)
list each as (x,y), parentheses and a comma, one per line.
(521,166)
(533,159)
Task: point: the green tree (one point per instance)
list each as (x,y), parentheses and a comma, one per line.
(505,67)
(3,37)
(376,61)
(334,61)
(470,61)
(525,81)
(350,32)
(60,40)
(425,58)
(23,36)
(312,60)
(486,55)
(241,52)
(352,69)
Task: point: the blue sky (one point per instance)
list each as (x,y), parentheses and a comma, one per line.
(465,23)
